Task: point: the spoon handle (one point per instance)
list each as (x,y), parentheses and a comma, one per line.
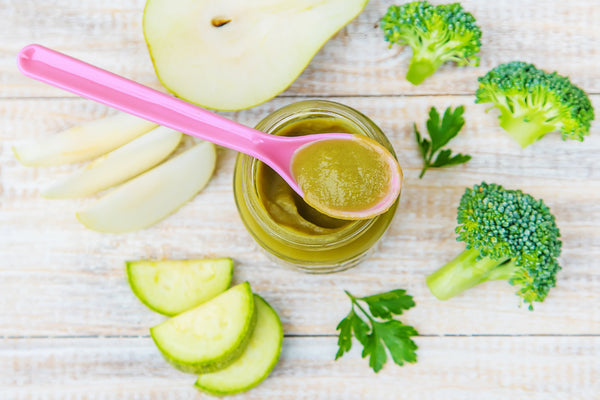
(94,83)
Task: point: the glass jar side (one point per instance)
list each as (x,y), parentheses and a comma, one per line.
(310,253)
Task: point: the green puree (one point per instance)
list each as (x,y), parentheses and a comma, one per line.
(340,174)
(284,205)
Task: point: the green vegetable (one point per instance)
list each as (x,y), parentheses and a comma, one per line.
(441,133)
(436,34)
(380,330)
(533,102)
(255,363)
(171,287)
(210,336)
(509,235)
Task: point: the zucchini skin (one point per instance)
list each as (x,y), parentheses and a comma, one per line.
(138,292)
(225,359)
(220,392)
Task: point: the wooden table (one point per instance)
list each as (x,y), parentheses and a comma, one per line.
(70,328)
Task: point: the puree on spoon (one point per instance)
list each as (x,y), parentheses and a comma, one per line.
(329,174)
(282,203)
(347,178)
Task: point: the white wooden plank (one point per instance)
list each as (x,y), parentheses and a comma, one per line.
(57,278)
(482,368)
(559,35)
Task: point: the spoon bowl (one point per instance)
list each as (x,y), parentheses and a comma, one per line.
(278,152)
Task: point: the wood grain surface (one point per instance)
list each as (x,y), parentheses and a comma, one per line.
(457,368)
(558,35)
(70,328)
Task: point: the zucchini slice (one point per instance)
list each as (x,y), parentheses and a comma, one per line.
(210,336)
(257,361)
(171,287)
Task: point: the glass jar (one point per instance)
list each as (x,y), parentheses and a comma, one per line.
(290,231)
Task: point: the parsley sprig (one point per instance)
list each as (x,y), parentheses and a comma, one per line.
(379,330)
(441,133)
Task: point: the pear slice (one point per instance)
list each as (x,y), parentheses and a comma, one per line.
(235,54)
(210,336)
(117,166)
(154,195)
(83,142)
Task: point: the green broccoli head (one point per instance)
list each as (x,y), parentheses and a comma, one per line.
(533,102)
(508,235)
(436,34)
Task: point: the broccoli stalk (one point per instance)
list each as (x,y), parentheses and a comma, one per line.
(509,236)
(466,270)
(525,128)
(533,102)
(436,34)
(421,67)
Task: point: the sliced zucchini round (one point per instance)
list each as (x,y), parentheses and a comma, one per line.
(255,363)
(210,336)
(171,287)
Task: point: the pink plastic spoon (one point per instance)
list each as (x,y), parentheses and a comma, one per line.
(88,81)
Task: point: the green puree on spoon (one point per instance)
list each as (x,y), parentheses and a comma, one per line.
(343,178)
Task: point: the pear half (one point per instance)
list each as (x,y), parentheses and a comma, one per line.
(235,54)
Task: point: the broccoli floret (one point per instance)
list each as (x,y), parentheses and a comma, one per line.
(436,34)
(533,102)
(509,235)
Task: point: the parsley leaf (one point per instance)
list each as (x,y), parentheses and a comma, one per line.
(376,335)
(345,337)
(376,352)
(440,133)
(383,305)
(396,337)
